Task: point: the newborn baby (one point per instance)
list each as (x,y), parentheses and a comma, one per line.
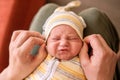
(63,32)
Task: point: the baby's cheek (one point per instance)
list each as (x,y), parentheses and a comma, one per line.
(77,49)
(51,50)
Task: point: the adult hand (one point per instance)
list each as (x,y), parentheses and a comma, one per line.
(21,62)
(98,63)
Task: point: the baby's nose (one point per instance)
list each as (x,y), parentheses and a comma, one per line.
(64,42)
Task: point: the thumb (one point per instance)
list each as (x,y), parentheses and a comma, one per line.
(42,53)
(84,57)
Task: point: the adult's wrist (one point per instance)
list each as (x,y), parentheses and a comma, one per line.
(6,74)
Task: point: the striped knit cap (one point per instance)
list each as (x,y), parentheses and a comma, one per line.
(63,15)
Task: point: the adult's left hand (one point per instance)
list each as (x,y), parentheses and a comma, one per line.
(98,63)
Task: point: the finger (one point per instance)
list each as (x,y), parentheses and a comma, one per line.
(103,41)
(24,35)
(15,34)
(41,54)
(29,44)
(84,57)
(94,42)
(13,38)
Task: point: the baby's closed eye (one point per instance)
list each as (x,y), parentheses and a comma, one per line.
(73,38)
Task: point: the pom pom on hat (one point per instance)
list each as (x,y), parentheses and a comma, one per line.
(63,15)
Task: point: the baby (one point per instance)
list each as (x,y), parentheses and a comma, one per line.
(63,32)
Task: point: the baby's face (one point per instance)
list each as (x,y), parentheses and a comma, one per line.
(63,42)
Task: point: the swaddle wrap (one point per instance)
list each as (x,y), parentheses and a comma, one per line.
(53,69)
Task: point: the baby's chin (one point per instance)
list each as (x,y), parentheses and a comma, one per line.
(64,58)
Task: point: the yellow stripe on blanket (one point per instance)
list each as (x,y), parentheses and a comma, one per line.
(72,69)
(64,70)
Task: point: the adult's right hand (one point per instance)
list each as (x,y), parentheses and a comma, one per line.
(98,63)
(21,62)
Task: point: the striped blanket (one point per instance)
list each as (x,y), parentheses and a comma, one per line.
(53,69)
